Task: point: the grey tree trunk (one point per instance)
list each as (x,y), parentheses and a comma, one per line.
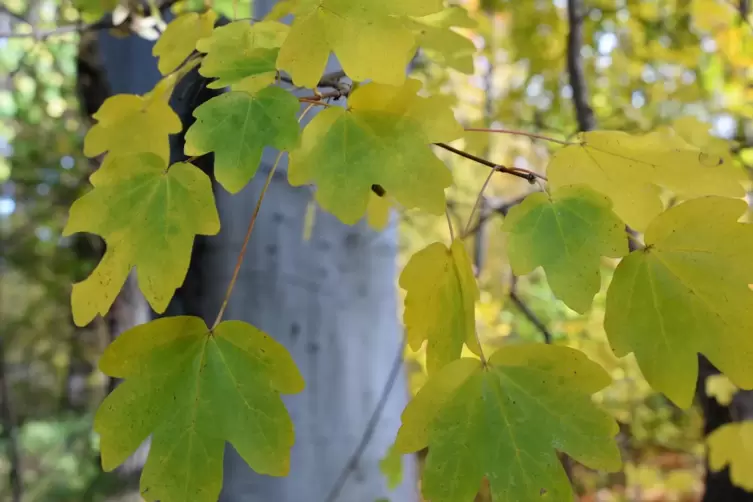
(331,301)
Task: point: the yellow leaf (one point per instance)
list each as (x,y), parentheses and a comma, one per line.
(721,388)
(369,37)
(378,211)
(567,235)
(687,293)
(179,39)
(439,304)
(384,138)
(129,124)
(442,44)
(632,169)
(732,444)
(148,216)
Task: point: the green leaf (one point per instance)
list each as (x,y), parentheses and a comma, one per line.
(687,293)
(179,39)
(439,304)
(148,216)
(371,39)
(391,467)
(383,138)
(237,126)
(632,169)
(729,445)
(444,45)
(566,234)
(130,124)
(506,421)
(239,53)
(193,390)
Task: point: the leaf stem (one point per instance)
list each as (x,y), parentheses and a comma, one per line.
(449,225)
(242,253)
(514,132)
(467,228)
(519,172)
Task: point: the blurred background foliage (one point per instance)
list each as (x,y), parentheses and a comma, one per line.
(647,62)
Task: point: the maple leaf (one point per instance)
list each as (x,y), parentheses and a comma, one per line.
(237,126)
(383,138)
(241,53)
(439,304)
(371,38)
(536,399)
(732,444)
(148,216)
(631,170)
(687,293)
(179,39)
(441,43)
(192,390)
(129,124)
(378,211)
(566,235)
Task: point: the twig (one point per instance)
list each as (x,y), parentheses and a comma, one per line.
(525,174)
(449,224)
(332,80)
(513,132)
(530,314)
(242,253)
(477,204)
(371,425)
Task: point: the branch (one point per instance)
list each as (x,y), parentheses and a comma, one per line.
(531,316)
(583,110)
(519,172)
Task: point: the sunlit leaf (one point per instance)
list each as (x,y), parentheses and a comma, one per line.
(687,293)
(241,52)
(237,126)
(720,388)
(632,169)
(179,39)
(378,211)
(732,445)
(383,138)
(148,216)
(192,390)
(506,421)
(439,304)
(370,38)
(129,124)
(566,234)
(391,467)
(445,46)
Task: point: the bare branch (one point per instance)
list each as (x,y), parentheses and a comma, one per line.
(583,110)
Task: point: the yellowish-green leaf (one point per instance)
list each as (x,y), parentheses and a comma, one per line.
(383,138)
(567,235)
(237,126)
(699,134)
(687,293)
(179,39)
(732,444)
(193,390)
(378,211)
(447,47)
(148,216)
(439,304)
(371,38)
(92,10)
(506,422)
(130,124)
(720,388)
(241,51)
(391,467)
(631,170)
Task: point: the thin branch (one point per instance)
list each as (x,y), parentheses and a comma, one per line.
(513,132)
(528,313)
(371,425)
(583,110)
(242,253)
(479,199)
(525,174)
(449,224)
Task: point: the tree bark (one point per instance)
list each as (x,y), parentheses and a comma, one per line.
(331,301)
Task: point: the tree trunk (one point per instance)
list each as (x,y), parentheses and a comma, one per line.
(331,301)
